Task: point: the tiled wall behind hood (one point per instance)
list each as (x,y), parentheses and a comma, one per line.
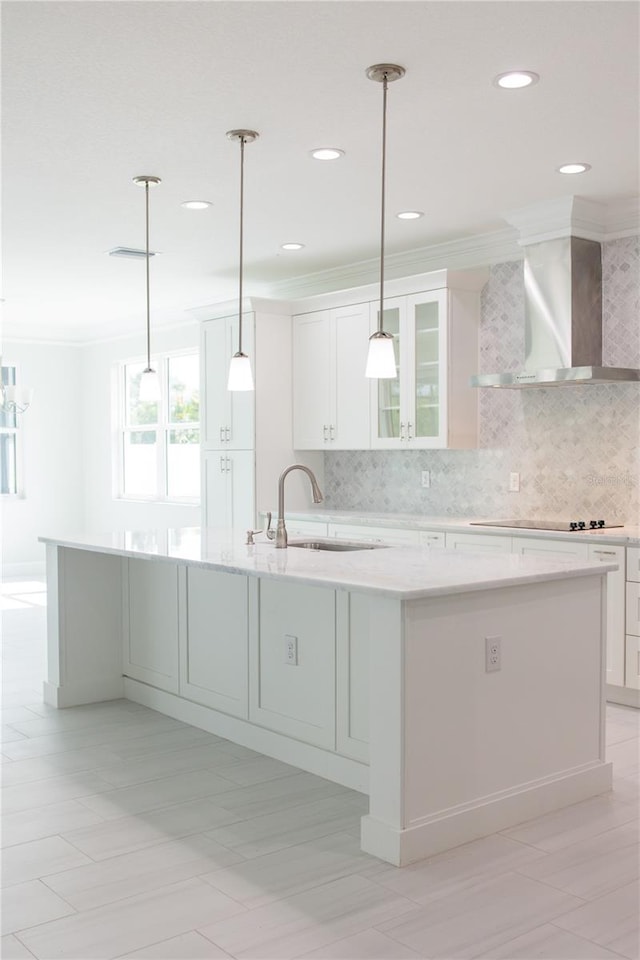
(577,449)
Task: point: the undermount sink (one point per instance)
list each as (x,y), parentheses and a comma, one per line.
(333,545)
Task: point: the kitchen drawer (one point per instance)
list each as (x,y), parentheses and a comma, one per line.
(432,538)
(632,671)
(390,535)
(478,542)
(542,547)
(304,528)
(633,609)
(633,564)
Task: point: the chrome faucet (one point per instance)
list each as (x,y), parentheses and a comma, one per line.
(280,534)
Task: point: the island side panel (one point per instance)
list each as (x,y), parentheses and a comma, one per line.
(485,750)
(84,627)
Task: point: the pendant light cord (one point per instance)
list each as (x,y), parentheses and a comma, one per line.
(242,142)
(146,194)
(382,203)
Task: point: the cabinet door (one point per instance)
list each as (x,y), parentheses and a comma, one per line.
(388,397)
(293,662)
(426,375)
(313,380)
(151,623)
(350,427)
(228,489)
(228,418)
(214,656)
(615,609)
(389,535)
(478,542)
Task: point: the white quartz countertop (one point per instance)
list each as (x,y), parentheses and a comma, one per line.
(626,535)
(405,573)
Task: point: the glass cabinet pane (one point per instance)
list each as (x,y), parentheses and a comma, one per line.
(427,369)
(389,390)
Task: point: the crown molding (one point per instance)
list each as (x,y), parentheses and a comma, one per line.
(479,251)
(623,218)
(573,216)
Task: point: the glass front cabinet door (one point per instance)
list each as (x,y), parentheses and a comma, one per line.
(410,410)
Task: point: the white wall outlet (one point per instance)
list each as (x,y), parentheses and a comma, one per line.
(426,478)
(291,650)
(492,654)
(514,483)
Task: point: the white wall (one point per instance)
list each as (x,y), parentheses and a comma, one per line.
(102,512)
(68,435)
(52,461)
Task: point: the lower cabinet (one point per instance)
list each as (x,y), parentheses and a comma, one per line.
(478,542)
(633,634)
(394,537)
(213,654)
(615,611)
(292,662)
(150,628)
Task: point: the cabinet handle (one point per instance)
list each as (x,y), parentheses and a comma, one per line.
(331,431)
(228,464)
(604,553)
(222,460)
(324,432)
(221,434)
(409,426)
(402,437)
(227,433)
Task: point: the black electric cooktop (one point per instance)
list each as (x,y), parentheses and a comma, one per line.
(567,526)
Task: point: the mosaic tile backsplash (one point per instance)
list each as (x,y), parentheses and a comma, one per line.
(577,449)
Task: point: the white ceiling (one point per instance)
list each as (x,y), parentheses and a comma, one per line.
(95,93)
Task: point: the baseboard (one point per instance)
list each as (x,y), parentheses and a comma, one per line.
(452,828)
(34,568)
(72,695)
(625,696)
(331,766)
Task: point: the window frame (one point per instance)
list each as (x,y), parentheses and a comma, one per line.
(160,362)
(18,432)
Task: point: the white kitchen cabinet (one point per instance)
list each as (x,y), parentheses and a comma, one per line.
(633,564)
(330,391)
(292,655)
(228,488)
(615,609)
(214,645)
(227,417)
(478,542)
(369,534)
(430,403)
(235,488)
(542,547)
(150,627)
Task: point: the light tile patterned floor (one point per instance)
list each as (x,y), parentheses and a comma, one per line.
(128,834)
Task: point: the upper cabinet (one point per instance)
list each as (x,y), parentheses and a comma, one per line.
(331,394)
(434,319)
(228,418)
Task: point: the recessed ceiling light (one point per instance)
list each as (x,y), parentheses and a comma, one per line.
(516,79)
(292,246)
(574,168)
(195,204)
(410,215)
(327,153)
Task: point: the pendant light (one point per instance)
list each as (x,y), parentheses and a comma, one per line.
(149,385)
(381,361)
(240,377)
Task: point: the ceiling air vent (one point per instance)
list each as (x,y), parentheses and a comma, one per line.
(131,253)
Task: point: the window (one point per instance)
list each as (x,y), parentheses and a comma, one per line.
(160,440)
(8,442)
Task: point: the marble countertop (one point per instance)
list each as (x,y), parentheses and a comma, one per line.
(406,573)
(626,535)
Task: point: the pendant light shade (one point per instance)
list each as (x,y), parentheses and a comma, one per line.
(149,390)
(381,361)
(240,376)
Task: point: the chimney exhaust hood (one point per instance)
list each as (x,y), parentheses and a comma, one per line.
(563,319)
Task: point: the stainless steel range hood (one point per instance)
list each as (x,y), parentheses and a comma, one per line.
(563,319)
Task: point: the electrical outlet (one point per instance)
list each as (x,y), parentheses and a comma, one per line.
(426,478)
(514,483)
(492,654)
(291,650)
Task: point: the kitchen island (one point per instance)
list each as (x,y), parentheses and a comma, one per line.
(463,693)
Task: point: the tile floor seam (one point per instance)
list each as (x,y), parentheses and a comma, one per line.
(23,944)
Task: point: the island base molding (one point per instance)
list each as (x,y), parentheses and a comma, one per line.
(349,773)
(622,695)
(452,828)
